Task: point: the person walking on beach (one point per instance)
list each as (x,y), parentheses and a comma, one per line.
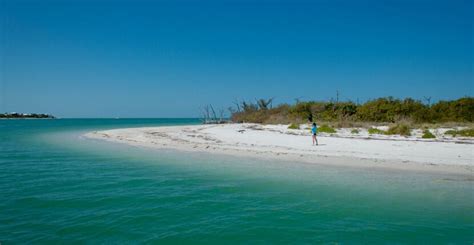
(314,131)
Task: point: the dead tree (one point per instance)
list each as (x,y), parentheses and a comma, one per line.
(237,105)
(206,113)
(213,112)
(264,104)
(428,100)
(221,115)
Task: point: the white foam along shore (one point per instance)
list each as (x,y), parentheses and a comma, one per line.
(444,154)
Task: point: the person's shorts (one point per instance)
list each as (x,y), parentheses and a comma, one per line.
(314,133)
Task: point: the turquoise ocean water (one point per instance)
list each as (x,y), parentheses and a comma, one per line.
(57,187)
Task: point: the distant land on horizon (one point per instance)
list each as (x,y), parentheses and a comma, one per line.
(15,115)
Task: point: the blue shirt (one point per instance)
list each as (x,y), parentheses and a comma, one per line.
(314,129)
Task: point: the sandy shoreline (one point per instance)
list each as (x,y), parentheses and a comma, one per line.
(277,142)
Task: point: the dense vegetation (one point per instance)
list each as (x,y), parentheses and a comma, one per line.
(382,110)
(21,115)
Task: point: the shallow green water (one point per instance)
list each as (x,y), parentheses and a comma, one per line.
(57,187)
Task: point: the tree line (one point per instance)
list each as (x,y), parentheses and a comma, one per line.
(383,110)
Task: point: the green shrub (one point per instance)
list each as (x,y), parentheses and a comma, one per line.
(463,132)
(376,131)
(401,129)
(452,132)
(460,110)
(301,111)
(354,131)
(389,109)
(466,132)
(294,126)
(427,135)
(326,129)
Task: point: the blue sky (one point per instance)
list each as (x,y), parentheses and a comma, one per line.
(168,58)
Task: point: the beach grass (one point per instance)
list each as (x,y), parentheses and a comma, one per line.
(376,131)
(463,133)
(294,126)
(400,129)
(326,129)
(427,135)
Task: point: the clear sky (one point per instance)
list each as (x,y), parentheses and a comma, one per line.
(168,58)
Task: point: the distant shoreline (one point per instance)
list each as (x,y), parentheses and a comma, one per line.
(27,118)
(278,143)
(15,115)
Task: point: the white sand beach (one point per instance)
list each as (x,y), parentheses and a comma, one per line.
(444,154)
